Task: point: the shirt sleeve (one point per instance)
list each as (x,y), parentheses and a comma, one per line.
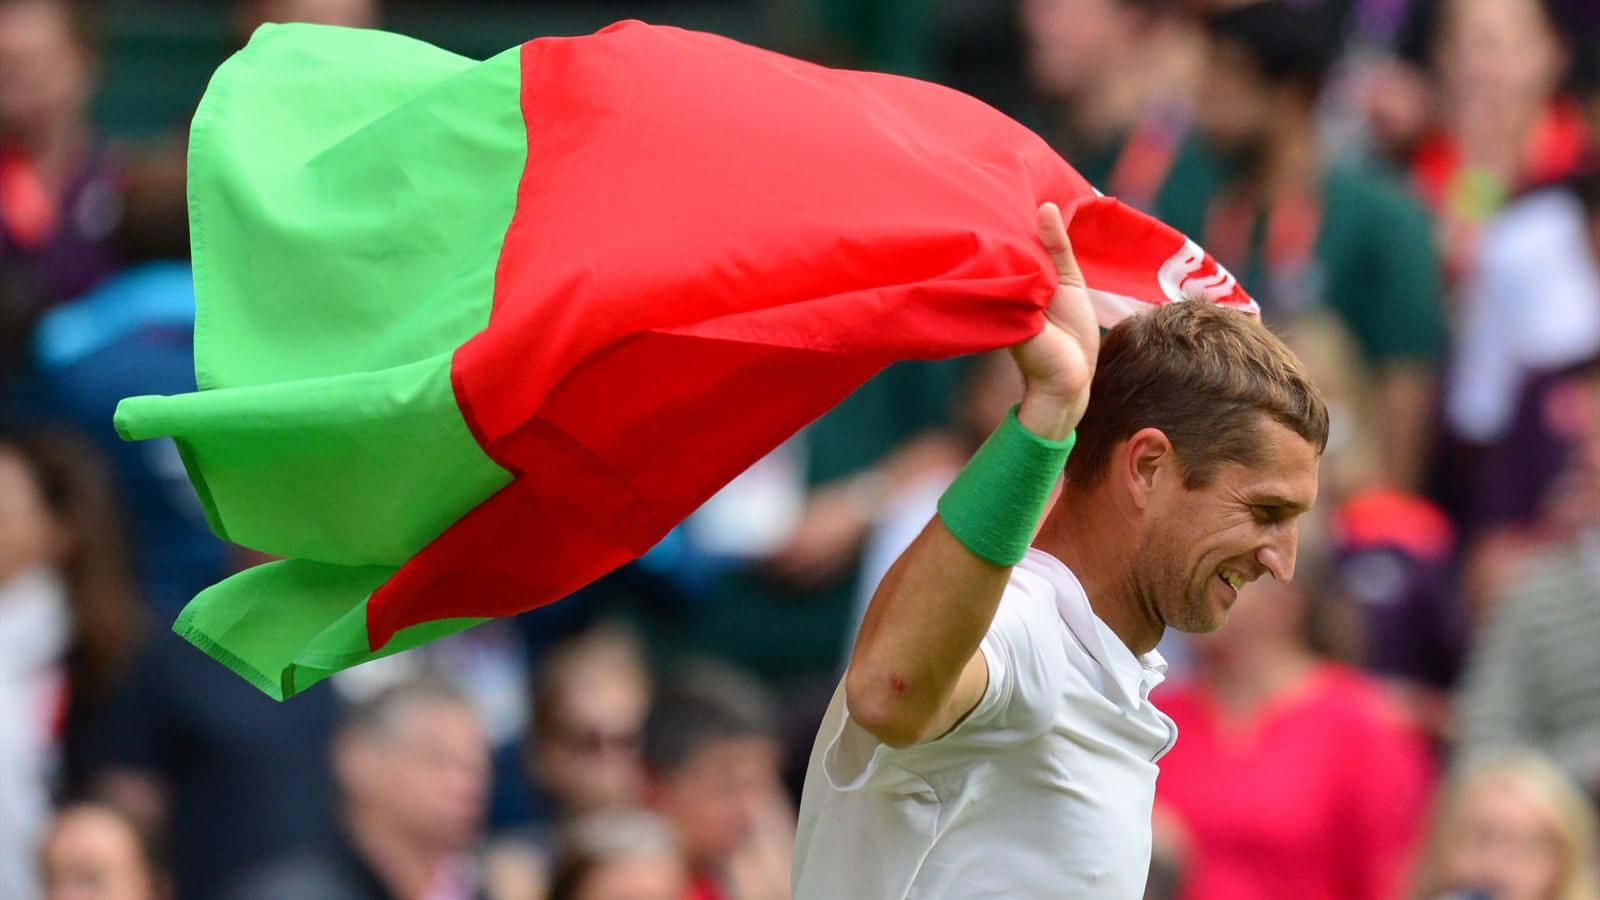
(1025,658)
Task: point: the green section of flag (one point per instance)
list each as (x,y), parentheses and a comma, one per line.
(283,650)
(361,469)
(349,192)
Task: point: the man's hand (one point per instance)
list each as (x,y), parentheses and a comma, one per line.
(1058,363)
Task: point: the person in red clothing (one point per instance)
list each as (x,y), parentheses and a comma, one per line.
(1504,123)
(1294,776)
(712,756)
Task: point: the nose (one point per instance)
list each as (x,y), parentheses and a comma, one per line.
(1277,556)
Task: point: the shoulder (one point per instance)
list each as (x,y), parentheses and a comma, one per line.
(1546,225)
(1366,194)
(1030,609)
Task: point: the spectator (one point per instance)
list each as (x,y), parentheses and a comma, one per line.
(619,856)
(590,701)
(1292,777)
(1531,679)
(1503,123)
(231,776)
(1505,426)
(1512,828)
(582,757)
(1119,74)
(714,770)
(68,627)
(1394,575)
(1303,234)
(412,765)
(59,202)
(95,852)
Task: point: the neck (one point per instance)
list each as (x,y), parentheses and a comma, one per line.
(1292,164)
(1085,532)
(1244,681)
(1295,162)
(406,867)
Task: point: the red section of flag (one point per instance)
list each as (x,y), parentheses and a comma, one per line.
(714,244)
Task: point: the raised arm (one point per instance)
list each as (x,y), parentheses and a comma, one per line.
(916,670)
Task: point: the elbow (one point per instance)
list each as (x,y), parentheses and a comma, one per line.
(880,703)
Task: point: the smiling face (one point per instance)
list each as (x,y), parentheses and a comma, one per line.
(1202,544)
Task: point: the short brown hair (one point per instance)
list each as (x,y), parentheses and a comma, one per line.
(1203,376)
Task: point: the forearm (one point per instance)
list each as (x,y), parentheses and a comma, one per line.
(916,670)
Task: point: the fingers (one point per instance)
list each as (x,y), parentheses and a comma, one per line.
(1053,234)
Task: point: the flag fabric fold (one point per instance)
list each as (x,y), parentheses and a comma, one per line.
(472,334)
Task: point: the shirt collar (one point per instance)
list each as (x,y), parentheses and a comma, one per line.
(1133,676)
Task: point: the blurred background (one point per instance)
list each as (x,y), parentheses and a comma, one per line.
(1409,188)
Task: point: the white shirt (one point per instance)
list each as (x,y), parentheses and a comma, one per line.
(1043,791)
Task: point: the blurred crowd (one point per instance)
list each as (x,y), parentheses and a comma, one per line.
(1411,190)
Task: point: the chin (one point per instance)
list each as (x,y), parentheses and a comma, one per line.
(1203,617)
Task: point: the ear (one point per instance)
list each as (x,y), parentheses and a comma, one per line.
(1146,459)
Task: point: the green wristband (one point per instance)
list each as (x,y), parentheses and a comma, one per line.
(993,507)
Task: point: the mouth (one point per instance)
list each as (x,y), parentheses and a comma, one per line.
(1232,581)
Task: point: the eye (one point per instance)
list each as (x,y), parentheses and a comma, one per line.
(1268,514)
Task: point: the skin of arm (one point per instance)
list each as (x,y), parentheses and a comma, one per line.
(916,671)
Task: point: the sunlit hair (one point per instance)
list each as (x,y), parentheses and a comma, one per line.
(383,715)
(1541,782)
(1206,377)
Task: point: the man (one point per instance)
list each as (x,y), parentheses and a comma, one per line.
(711,754)
(1305,236)
(1119,75)
(590,696)
(1530,677)
(413,767)
(993,735)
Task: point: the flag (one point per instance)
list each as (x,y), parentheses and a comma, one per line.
(471,335)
